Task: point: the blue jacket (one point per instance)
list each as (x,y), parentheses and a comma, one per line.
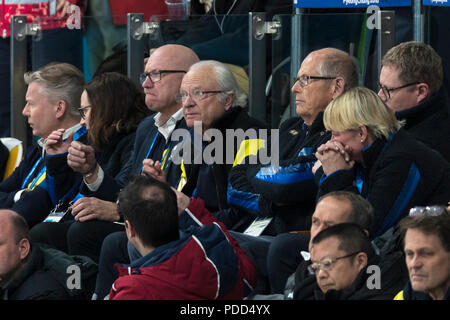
(286,193)
(398,174)
(36,204)
(147,144)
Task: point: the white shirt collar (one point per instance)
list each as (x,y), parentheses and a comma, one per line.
(166,128)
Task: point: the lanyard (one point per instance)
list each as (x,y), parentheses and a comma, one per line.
(33,183)
(150,150)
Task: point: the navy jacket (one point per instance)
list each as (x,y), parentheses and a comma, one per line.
(286,193)
(429,122)
(36,204)
(147,144)
(398,174)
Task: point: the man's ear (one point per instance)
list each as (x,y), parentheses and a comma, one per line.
(229,101)
(61,109)
(24,248)
(338,87)
(423,92)
(361,260)
(131,232)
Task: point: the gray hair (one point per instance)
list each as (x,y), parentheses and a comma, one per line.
(225,80)
(60,81)
(340,63)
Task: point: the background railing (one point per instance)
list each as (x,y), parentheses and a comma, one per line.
(265,51)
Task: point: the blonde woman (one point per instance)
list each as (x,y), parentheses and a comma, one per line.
(371,154)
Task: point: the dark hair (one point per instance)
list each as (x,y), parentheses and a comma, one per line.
(153,216)
(428,224)
(362,211)
(20,227)
(117,105)
(116,62)
(351,236)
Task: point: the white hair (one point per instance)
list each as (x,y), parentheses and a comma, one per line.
(225,80)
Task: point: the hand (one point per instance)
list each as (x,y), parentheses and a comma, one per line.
(336,146)
(316,166)
(61,6)
(81,158)
(55,144)
(334,157)
(89,208)
(182,200)
(153,169)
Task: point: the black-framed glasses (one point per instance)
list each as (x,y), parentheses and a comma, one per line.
(387,91)
(429,210)
(155,75)
(326,263)
(82,111)
(305,80)
(196,94)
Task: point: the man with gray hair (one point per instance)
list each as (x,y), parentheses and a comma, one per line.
(411,84)
(283,198)
(52,102)
(212,102)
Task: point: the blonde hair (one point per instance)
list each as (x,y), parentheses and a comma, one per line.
(60,81)
(361,107)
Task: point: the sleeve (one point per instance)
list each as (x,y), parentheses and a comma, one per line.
(13,184)
(255,187)
(392,187)
(62,181)
(197,215)
(129,288)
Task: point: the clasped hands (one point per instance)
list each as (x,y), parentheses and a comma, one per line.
(333,156)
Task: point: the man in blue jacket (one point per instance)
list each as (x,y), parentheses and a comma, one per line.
(52,99)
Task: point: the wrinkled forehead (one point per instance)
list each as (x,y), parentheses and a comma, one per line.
(310,65)
(199,78)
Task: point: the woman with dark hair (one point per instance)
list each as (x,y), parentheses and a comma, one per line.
(112,107)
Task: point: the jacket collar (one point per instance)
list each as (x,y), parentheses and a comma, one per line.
(35,258)
(425,109)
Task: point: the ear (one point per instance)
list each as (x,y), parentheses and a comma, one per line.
(363,134)
(423,92)
(338,87)
(229,101)
(61,108)
(24,248)
(131,232)
(361,260)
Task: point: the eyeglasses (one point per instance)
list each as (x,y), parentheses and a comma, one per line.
(305,80)
(326,264)
(429,210)
(196,94)
(155,75)
(82,111)
(387,91)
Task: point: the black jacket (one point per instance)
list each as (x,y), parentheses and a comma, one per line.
(393,275)
(409,294)
(209,181)
(46,274)
(397,175)
(112,159)
(429,122)
(34,205)
(288,193)
(147,144)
